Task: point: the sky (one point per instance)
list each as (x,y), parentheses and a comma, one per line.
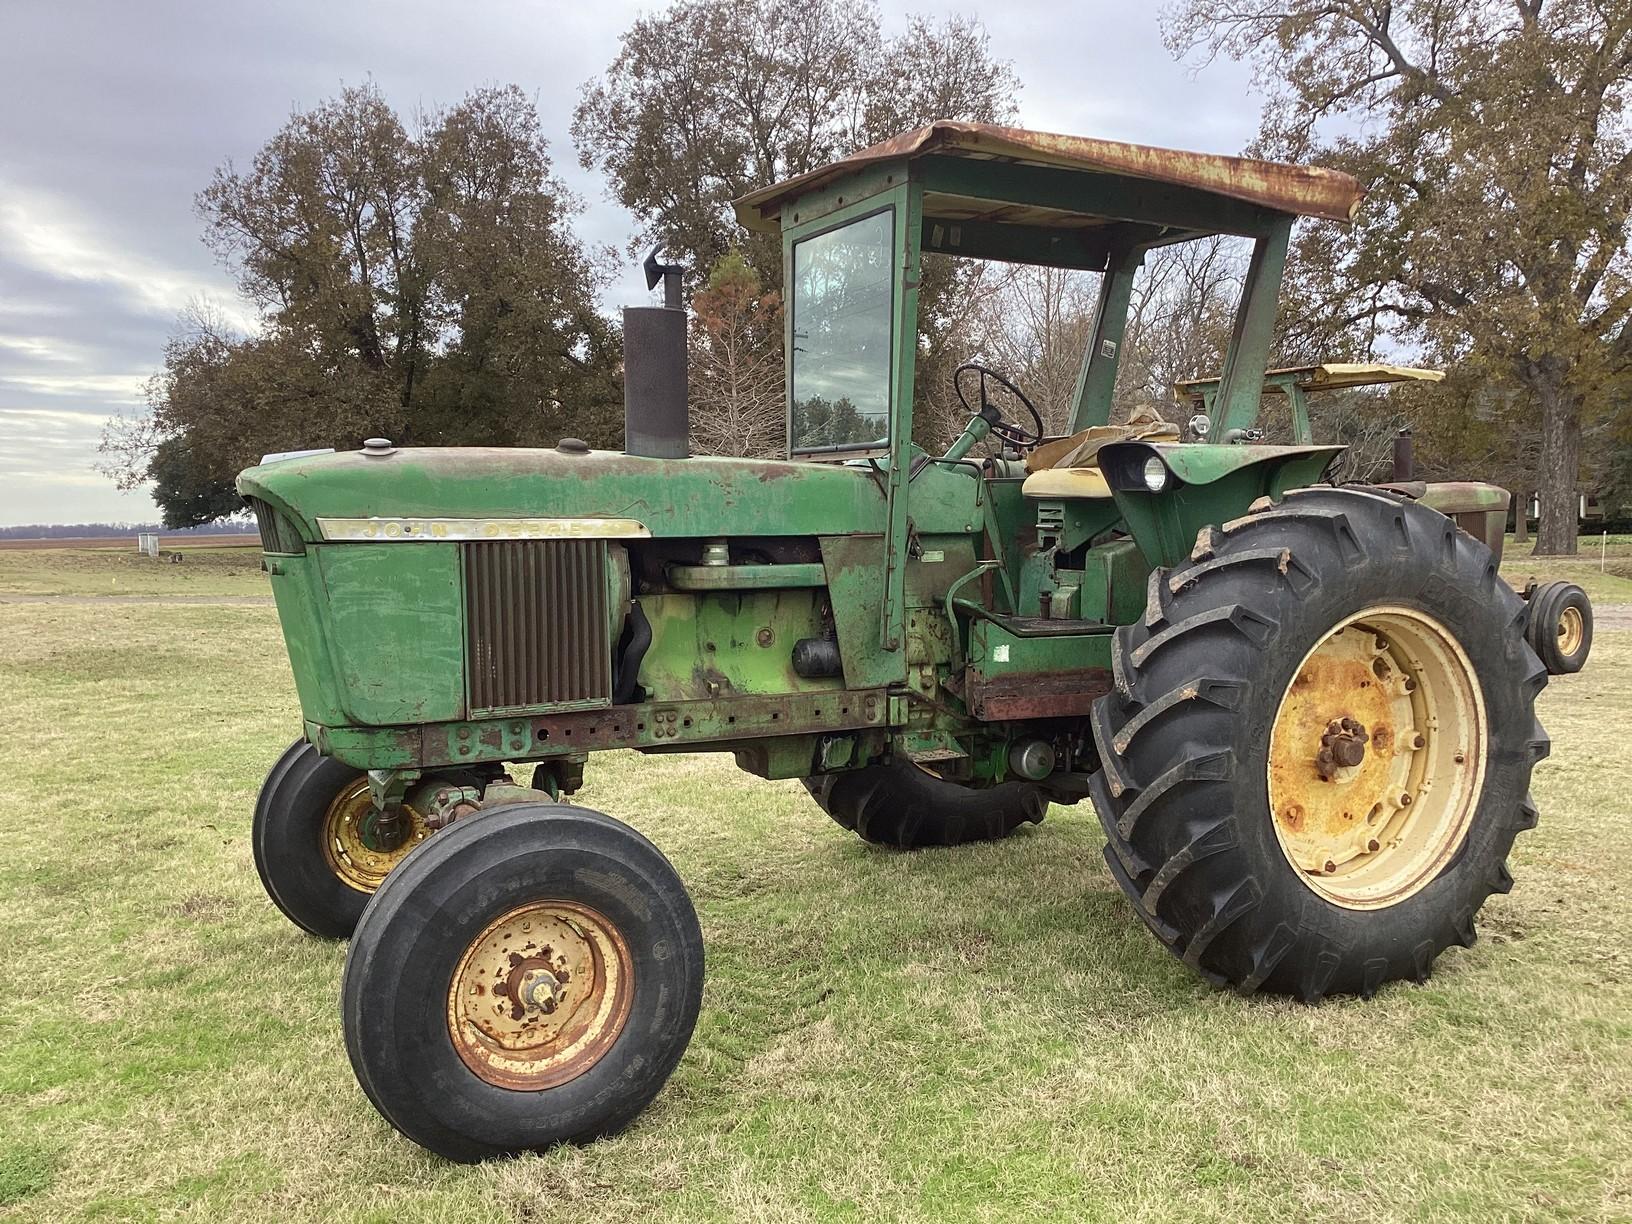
(113,115)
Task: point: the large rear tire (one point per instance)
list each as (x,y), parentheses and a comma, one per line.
(524,979)
(1318,749)
(901,805)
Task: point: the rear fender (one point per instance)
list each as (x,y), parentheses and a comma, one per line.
(1205,486)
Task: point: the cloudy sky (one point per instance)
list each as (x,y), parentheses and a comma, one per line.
(115,113)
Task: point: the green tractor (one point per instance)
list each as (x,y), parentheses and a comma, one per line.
(1302,710)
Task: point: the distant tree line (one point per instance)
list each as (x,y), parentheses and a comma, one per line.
(99,531)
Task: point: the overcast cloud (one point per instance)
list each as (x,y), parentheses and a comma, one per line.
(115,114)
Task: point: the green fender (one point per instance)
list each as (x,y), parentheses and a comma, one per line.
(1205,486)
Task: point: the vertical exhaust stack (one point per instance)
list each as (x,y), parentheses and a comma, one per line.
(654,370)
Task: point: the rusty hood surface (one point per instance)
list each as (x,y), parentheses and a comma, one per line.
(1306,191)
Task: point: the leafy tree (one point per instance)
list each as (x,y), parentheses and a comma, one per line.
(188,493)
(1493,137)
(736,363)
(708,99)
(423,285)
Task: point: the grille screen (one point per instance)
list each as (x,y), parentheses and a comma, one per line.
(277,536)
(536,630)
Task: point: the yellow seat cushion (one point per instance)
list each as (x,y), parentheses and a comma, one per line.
(1067,484)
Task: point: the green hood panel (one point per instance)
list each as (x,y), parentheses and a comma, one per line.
(702,496)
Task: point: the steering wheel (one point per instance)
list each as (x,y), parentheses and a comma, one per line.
(1007,430)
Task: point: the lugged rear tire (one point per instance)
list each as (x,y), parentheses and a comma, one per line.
(1184,738)
(900,805)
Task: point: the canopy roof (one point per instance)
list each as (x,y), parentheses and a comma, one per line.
(1329,377)
(1299,190)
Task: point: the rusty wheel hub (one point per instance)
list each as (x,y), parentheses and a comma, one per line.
(540,995)
(349,847)
(1377,757)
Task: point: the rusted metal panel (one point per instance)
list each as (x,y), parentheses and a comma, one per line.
(1301,190)
(672,725)
(536,624)
(1038,695)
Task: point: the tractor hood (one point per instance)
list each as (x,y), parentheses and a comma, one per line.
(493,492)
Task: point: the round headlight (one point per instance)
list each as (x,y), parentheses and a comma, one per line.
(1155,474)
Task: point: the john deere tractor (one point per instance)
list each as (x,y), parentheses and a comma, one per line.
(1303,710)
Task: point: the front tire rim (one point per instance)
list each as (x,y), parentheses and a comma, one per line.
(1571,630)
(540,996)
(348,856)
(1392,687)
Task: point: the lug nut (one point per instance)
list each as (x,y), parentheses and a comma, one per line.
(1405,801)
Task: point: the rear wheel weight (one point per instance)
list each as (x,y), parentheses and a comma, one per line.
(902,805)
(522,980)
(1340,623)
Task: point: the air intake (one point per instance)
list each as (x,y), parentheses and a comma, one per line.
(536,625)
(277,533)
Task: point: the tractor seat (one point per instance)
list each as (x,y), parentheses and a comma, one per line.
(1067,469)
(1067,484)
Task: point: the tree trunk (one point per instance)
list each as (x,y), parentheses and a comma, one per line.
(1521,516)
(1560,460)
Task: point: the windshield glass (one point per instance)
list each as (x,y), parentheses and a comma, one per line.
(841,335)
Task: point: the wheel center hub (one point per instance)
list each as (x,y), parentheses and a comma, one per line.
(1343,746)
(540,995)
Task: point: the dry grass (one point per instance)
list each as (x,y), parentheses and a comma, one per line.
(93,571)
(983,1033)
(1603,568)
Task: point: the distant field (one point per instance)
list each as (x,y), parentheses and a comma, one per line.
(105,571)
(986,1033)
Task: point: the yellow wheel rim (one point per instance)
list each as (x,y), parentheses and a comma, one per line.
(1571,631)
(540,995)
(1377,758)
(348,856)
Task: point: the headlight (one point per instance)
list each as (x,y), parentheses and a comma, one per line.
(1156,474)
(1200,426)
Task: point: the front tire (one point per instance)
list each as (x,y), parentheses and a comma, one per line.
(528,978)
(901,805)
(1318,748)
(308,847)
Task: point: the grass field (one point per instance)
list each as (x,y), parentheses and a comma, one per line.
(984,1033)
(1606,581)
(89,571)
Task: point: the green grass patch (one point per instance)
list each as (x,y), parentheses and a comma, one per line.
(981,1033)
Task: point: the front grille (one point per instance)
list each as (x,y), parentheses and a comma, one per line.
(536,631)
(277,533)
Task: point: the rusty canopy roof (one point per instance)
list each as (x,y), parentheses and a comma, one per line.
(1331,376)
(1300,190)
